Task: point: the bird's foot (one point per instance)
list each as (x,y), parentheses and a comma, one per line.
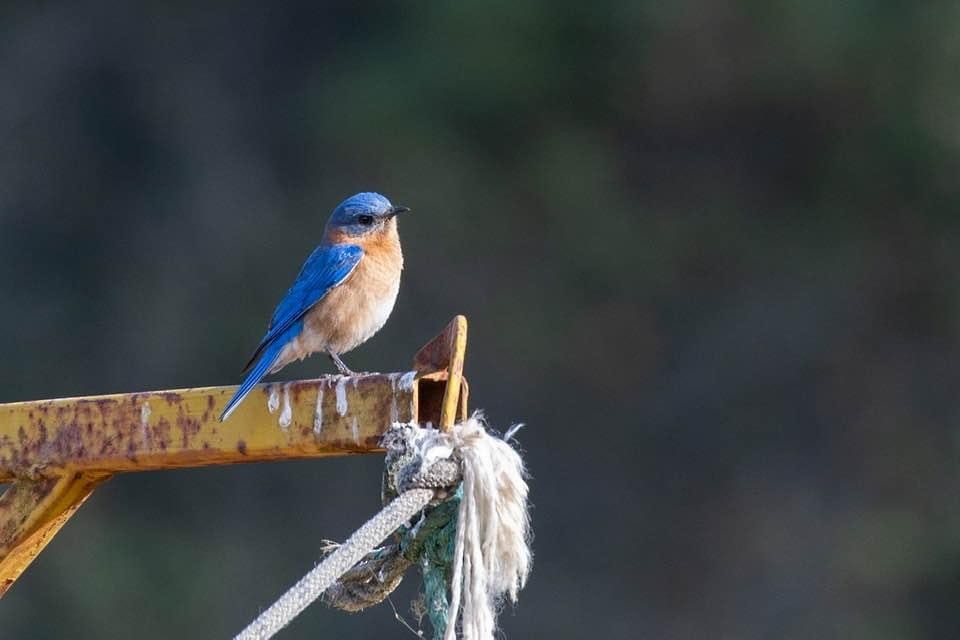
(342,368)
(350,373)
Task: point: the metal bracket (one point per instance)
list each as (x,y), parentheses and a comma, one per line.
(56,452)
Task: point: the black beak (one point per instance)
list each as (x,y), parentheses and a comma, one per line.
(397,210)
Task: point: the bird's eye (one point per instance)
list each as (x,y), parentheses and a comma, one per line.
(365,220)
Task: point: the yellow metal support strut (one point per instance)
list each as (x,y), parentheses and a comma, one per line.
(56,452)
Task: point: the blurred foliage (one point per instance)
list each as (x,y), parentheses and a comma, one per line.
(709,253)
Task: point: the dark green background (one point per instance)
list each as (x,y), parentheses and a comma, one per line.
(709,253)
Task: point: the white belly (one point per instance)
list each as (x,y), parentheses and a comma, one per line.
(376,311)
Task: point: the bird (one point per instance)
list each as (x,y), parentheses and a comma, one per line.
(343,295)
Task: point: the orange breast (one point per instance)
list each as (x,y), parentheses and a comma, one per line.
(352,312)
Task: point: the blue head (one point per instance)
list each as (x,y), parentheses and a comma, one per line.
(360,215)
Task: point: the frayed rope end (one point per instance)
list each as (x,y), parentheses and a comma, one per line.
(492,556)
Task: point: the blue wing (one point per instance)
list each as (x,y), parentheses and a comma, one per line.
(326,268)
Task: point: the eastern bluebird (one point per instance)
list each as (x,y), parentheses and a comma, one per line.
(343,295)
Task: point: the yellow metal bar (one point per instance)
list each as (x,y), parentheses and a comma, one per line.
(180,428)
(451,395)
(445,355)
(32,512)
(56,451)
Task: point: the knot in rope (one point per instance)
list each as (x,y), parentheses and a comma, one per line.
(456,503)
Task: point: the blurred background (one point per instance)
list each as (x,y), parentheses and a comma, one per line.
(709,254)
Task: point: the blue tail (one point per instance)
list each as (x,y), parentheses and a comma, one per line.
(259,370)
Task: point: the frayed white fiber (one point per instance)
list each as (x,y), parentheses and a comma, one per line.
(492,558)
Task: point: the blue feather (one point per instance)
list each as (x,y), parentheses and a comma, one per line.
(263,366)
(327,267)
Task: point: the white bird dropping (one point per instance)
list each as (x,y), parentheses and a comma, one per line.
(342,406)
(287,414)
(274,400)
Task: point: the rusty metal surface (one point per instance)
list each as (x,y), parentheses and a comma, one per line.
(441,361)
(179,428)
(435,356)
(55,452)
(31,513)
(455,384)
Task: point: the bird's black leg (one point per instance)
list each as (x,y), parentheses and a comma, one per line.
(342,368)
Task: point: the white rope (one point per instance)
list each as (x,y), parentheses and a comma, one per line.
(492,556)
(312,585)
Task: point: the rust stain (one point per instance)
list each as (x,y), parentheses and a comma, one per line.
(31,512)
(188,426)
(162,432)
(92,438)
